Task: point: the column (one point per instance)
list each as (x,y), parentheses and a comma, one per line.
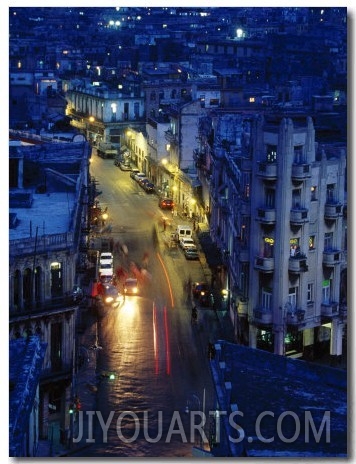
(336,337)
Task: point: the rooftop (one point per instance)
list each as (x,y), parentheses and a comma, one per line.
(50,212)
(280,399)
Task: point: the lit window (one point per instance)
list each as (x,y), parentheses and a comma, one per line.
(312,242)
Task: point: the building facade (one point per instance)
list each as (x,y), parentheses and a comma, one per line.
(48,211)
(278,217)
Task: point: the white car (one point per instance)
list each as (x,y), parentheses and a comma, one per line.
(187,243)
(139,175)
(106,261)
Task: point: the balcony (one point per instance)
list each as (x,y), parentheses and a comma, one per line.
(264,264)
(331,258)
(266,215)
(295,317)
(242,307)
(329,309)
(262,316)
(267,170)
(332,211)
(300,171)
(298,216)
(170,137)
(297,264)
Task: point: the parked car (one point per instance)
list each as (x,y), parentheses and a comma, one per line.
(106,257)
(139,175)
(142,181)
(131,286)
(125,166)
(133,172)
(191,253)
(166,203)
(187,243)
(148,187)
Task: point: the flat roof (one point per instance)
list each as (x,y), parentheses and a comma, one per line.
(281,399)
(51,212)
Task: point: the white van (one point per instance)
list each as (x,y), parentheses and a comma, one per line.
(184,231)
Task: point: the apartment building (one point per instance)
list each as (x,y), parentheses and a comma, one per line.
(47,239)
(278,216)
(102,112)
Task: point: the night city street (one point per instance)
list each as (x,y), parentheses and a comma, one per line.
(159,358)
(178,232)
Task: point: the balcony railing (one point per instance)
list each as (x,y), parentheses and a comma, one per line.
(300,171)
(295,317)
(263,316)
(170,137)
(297,264)
(332,211)
(264,264)
(266,215)
(43,244)
(332,258)
(267,170)
(329,309)
(298,216)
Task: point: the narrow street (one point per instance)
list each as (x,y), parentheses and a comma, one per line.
(152,369)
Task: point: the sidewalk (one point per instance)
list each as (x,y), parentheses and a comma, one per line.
(85,383)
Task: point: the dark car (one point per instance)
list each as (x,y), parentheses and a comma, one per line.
(191,253)
(148,187)
(111,296)
(202,293)
(166,203)
(131,286)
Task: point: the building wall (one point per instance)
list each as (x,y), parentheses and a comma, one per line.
(278,216)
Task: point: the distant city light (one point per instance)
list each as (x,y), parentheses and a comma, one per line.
(239,33)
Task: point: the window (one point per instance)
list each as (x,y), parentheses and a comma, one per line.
(153,96)
(266,298)
(312,242)
(310,293)
(270,198)
(294,245)
(271,155)
(268,251)
(292,297)
(313,193)
(326,292)
(298,154)
(296,198)
(330,193)
(56,279)
(328,241)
